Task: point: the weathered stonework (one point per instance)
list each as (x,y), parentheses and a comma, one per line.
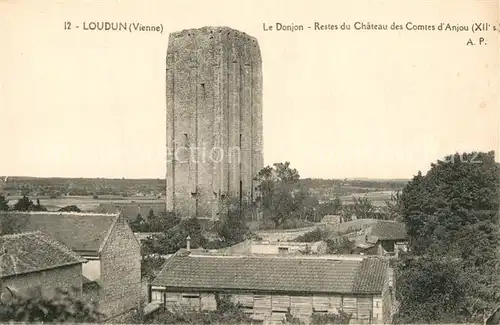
(63,277)
(214,119)
(121,270)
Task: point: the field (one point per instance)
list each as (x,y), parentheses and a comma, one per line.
(377,198)
(85,203)
(88,193)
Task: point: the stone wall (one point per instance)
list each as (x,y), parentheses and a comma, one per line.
(121,270)
(65,277)
(214,119)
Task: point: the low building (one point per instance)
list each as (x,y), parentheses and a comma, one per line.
(387,238)
(269,286)
(112,274)
(35,260)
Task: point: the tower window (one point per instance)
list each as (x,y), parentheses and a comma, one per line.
(240,140)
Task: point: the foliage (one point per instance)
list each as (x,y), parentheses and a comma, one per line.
(226,313)
(330,318)
(315,235)
(174,238)
(4,203)
(150,265)
(439,286)
(70,208)
(340,246)
(281,195)
(37,307)
(232,229)
(155,223)
(331,207)
(451,216)
(25,204)
(363,208)
(394,207)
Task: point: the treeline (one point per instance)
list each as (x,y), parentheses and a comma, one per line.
(318,183)
(56,187)
(450,272)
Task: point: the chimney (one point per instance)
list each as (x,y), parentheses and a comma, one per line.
(188,243)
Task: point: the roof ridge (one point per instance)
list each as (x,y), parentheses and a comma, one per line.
(167,262)
(61,213)
(345,257)
(17,245)
(19,234)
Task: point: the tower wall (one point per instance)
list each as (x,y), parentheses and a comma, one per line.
(214,119)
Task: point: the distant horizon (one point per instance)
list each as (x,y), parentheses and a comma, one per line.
(360,178)
(160,178)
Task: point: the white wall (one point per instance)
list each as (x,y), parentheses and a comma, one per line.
(92,269)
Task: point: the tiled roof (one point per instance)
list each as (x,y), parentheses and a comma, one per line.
(82,232)
(389,230)
(31,252)
(371,275)
(292,274)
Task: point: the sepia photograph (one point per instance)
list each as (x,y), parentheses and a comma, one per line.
(250,162)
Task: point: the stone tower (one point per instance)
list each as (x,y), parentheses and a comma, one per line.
(214,119)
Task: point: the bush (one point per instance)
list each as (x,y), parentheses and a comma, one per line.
(226,313)
(70,208)
(35,307)
(329,318)
(313,236)
(150,265)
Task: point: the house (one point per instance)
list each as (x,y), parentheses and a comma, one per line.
(268,286)
(386,238)
(112,274)
(33,259)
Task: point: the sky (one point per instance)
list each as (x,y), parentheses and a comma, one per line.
(336,104)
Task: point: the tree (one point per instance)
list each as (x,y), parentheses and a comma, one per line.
(174,238)
(347,212)
(4,203)
(363,208)
(279,190)
(70,208)
(340,246)
(332,207)
(394,207)
(25,204)
(150,266)
(232,227)
(450,273)
(36,307)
